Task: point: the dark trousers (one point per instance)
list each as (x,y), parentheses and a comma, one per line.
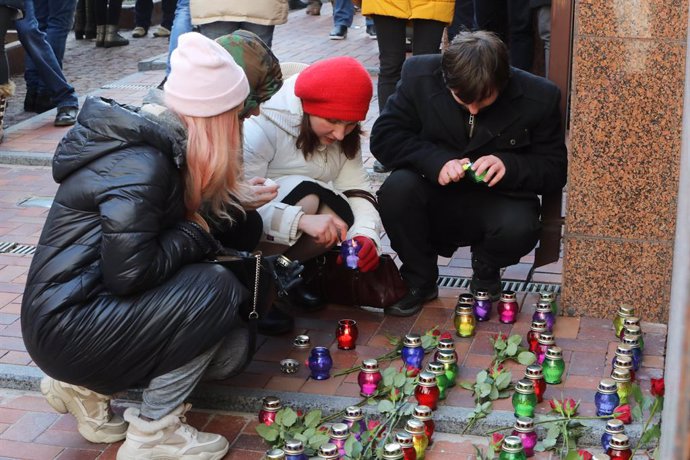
(463,18)
(390,34)
(108,12)
(424,220)
(512,21)
(144,8)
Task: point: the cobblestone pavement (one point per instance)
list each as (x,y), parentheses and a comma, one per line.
(30,429)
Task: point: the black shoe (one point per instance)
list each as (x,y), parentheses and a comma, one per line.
(275,322)
(485,278)
(338,33)
(379,168)
(299,296)
(412,302)
(66,116)
(371,31)
(37,102)
(296,4)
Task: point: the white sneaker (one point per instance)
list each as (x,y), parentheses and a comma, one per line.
(169,438)
(161,32)
(95,421)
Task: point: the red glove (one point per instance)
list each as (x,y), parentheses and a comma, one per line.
(368,257)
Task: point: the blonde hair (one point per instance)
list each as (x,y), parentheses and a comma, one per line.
(213,174)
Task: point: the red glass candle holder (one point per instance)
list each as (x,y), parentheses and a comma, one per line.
(369,377)
(346,334)
(426,392)
(269,407)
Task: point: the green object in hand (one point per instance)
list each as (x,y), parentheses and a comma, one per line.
(467,167)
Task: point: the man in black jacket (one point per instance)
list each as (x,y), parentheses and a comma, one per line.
(466,109)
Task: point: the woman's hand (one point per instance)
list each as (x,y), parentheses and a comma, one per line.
(368,256)
(326,229)
(262,191)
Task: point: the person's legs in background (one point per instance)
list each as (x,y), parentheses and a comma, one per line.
(544,26)
(265,33)
(492,15)
(182,23)
(112,37)
(463,18)
(343,14)
(142,17)
(427,37)
(521,46)
(7,16)
(390,34)
(164,29)
(217,29)
(370,27)
(314,8)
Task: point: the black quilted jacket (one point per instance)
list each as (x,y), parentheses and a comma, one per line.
(118,292)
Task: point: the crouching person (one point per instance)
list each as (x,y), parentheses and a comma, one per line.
(118,295)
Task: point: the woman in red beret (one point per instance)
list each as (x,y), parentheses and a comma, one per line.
(307,139)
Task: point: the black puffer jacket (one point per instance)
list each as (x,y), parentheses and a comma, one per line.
(117,292)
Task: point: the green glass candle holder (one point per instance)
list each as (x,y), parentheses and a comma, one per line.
(524,399)
(553,366)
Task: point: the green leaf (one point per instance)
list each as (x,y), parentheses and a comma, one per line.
(515,338)
(526,358)
(386,406)
(637,394)
(504,394)
(279,417)
(539,447)
(486,407)
(428,341)
(500,344)
(309,432)
(312,419)
(511,349)
(572,455)
(317,440)
(494,393)
(503,380)
(647,403)
(484,390)
(300,437)
(289,417)
(349,446)
(481,376)
(654,432)
(549,443)
(399,380)
(637,413)
(467,385)
(553,432)
(269,433)
(409,387)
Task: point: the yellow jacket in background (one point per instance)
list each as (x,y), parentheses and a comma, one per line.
(437,10)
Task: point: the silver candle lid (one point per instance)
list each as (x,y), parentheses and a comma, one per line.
(414,427)
(554,353)
(289,366)
(607,386)
(271,404)
(524,386)
(422,413)
(392,451)
(435,368)
(619,442)
(466,299)
(543,306)
(524,424)
(404,439)
(329,451)
(412,340)
(293,447)
(463,310)
(301,341)
(624,350)
(275,454)
(547,296)
(623,362)
(370,366)
(353,413)
(446,344)
(482,295)
(614,426)
(508,296)
(426,379)
(512,444)
(619,374)
(546,338)
(625,311)
(631,321)
(534,372)
(339,431)
(446,357)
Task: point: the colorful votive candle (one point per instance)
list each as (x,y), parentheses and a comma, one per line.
(535,330)
(606,398)
(354,418)
(482,306)
(426,392)
(392,451)
(545,341)
(464,321)
(369,377)
(349,250)
(301,342)
(405,440)
(622,350)
(633,330)
(450,366)
(524,399)
(346,334)
(294,450)
(419,440)
(553,365)
(445,345)
(512,449)
(320,363)
(634,344)
(624,311)
(551,298)
(424,415)
(543,313)
(534,373)
(623,385)
(619,447)
(507,307)
(338,433)
(524,429)
(275,454)
(613,426)
(633,321)
(625,362)
(328,451)
(412,352)
(269,406)
(436,368)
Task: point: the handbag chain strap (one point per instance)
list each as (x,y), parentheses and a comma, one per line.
(254,314)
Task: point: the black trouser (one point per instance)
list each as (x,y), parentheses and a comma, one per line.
(7,16)
(463,18)
(512,21)
(424,220)
(144,8)
(108,12)
(390,33)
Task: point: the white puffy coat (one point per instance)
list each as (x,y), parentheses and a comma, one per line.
(270,151)
(264,12)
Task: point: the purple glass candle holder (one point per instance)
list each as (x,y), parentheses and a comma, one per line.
(339,432)
(544,313)
(507,307)
(349,250)
(545,341)
(482,306)
(606,398)
(412,352)
(320,363)
(524,429)
(354,418)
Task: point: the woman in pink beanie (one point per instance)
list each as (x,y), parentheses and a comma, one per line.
(307,139)
(119,294)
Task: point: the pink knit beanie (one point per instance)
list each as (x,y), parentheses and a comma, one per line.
(204,79)
(339,88)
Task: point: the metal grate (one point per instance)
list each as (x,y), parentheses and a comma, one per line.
(129,86)
(506,285)
(16,248)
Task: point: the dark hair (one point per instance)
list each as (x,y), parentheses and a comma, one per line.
(475,64)
(308,141)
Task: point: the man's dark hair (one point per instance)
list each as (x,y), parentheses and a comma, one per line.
(475,64)
(308,141)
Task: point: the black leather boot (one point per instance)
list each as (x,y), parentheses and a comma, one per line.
(485,277)
(275,322)
(301,297)
(413,301)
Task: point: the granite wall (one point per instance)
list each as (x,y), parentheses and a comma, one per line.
(625,137)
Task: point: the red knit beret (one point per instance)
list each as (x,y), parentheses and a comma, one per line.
(339,88)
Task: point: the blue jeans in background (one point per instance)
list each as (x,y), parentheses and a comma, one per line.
(181,25)
(343,13)
(46,71)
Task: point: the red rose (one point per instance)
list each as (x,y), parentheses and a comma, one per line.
(445,335)
(570,406)
(496,442)
(371,426)
(435,332)
(623,414)
(556,405)
(658,387)
(411,371)
(584,455)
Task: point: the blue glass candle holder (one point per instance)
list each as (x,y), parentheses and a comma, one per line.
(412,352)
(349,250)
(606,398)
(320,363)
(294,450)
(613,426)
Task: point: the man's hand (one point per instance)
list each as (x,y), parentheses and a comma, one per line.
(452,171)
(494,167)
(261,191)
(326,229)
